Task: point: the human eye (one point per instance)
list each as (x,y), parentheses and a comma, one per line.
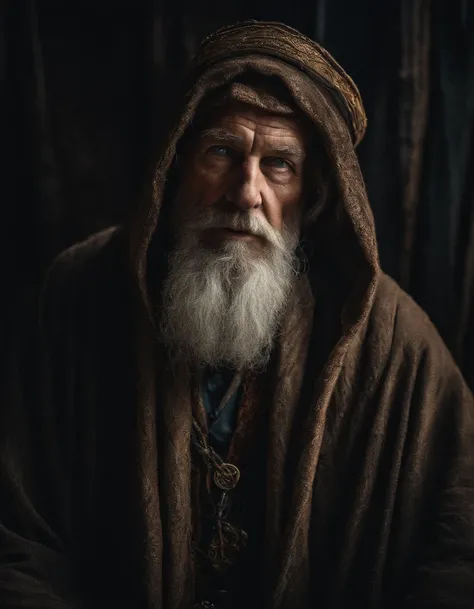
(278,163)
(219,150)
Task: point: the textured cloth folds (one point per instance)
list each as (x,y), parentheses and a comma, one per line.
(285,43)
(362,477)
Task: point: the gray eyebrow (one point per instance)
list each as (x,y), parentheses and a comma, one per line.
(221,135)
(293,151)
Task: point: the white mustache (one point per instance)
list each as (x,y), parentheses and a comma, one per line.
(248,223)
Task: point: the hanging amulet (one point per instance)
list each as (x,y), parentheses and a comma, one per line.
(227,476)
(225,546)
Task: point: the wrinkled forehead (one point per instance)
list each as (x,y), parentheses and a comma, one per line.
(264,101)
(243,119)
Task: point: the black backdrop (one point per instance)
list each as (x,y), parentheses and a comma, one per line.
(82,84)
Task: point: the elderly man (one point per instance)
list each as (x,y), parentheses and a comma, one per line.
(235,407)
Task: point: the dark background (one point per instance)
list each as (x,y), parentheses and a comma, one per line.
(82,84)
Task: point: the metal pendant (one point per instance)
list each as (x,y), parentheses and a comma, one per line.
(227,476)
(226,543)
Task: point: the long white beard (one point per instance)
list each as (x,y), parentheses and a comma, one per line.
(223,307)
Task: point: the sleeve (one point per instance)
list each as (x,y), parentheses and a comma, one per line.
(444,574)
(36,565)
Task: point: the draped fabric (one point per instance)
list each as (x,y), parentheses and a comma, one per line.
(444,254)
(82,88)
(96,478)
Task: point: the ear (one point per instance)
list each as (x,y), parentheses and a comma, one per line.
(317,200)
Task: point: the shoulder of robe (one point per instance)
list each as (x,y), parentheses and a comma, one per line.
(395,310)
(404,332)
(99,253)
(88,266)
(91,252)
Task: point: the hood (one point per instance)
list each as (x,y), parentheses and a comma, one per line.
(342,235)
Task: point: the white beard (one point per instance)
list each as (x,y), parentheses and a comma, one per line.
(223,307)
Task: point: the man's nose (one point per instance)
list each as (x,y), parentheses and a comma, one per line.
(245,192)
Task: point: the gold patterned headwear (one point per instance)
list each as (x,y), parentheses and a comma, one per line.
(287,44)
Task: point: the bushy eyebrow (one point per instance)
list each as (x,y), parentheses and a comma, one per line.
(221,135)
(293,152)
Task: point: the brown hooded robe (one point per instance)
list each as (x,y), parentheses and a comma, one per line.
(366,465)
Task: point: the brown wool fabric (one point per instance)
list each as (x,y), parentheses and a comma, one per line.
(364,458)
(285,43)
(257,96)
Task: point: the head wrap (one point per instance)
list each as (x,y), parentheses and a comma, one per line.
(258,95)
(283,42)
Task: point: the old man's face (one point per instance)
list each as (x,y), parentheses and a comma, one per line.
(247,164)
(236,222)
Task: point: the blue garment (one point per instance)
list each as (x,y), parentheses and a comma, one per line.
(214,384)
